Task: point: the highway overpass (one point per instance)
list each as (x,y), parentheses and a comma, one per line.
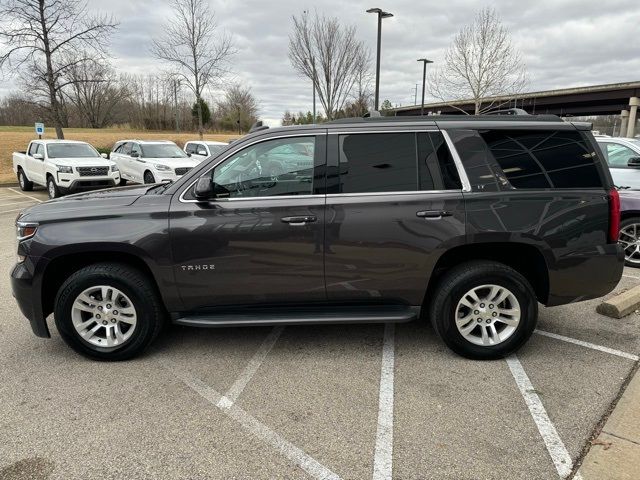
(612,99)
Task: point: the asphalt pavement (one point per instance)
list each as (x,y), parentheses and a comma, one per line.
(360,401)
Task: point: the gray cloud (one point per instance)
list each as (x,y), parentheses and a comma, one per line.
(563,42)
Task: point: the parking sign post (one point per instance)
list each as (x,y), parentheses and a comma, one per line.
(39,130)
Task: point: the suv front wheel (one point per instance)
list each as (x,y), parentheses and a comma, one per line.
(108,311)
(484,310)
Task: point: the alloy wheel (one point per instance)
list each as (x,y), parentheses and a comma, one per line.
(104,317)
(629,238)
(487,315)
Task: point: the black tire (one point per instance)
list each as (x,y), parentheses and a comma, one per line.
(623,224)
(23,181)
(123,182)
(460,280)
(148,177)
(135,285)
(52,189)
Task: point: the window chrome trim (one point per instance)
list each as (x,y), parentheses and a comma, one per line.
(393,130)
(466,184)
(258,140)
(404,192)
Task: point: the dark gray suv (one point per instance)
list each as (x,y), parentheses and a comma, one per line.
(467,221)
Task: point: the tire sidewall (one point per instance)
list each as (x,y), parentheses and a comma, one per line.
(448,330)
(145,310)
(56,193)
(22,180)
(144,177)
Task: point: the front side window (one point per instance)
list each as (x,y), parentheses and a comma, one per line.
(190,148)
(266,169)
(135,149)
(618,156)
(541,159)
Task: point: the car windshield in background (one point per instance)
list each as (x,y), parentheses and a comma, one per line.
(215,148)
(71,150)
(162,150)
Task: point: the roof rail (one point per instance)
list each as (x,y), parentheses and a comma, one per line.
(507,111)
(256,127)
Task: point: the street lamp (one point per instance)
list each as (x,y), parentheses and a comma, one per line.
(424,80)
(381,14)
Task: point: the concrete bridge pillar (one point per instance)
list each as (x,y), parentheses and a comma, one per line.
(624,117)
(633,113)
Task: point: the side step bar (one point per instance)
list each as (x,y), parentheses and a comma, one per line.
(254,317)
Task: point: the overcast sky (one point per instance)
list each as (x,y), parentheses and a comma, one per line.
(563,42)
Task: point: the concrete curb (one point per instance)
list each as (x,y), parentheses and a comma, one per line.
(621,305)
(615,454)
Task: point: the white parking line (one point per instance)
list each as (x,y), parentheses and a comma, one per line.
(2,204)
(593,346)
(383,458)
(558,452)
(630,276)
(25,195)
(252,367)
(254,426)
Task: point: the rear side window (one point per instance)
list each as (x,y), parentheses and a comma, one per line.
(395,162)
(542,159)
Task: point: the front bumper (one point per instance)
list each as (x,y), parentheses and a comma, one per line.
(72,183)
(27,294)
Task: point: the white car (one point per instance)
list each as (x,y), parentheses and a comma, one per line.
(203,148)
(623,157)
(64,166)
(151,161)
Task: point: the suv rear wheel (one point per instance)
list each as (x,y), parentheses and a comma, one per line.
(108,312)
(484,310)
(629,238)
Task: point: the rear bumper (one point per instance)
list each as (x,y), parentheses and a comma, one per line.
(28,297)
(585,274)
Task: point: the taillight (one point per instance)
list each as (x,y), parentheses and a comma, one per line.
(614,215)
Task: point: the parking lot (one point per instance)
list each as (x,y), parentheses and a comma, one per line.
(306,402)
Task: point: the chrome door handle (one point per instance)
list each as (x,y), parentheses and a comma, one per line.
(301,220)
(433,214)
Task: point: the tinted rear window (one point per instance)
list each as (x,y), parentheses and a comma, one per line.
(543,159)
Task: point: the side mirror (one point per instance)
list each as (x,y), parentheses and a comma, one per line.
(38,156)
(104,155)
(134,154)
(204,188)
(188,154)
(634,162)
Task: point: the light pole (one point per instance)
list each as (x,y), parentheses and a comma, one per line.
(381,14)
(424,80)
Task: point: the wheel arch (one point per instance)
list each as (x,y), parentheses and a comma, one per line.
(524,258)
(59,268)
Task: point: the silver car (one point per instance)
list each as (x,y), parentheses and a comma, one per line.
(623,157)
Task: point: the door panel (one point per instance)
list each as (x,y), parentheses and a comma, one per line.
(378,247)
(261,242)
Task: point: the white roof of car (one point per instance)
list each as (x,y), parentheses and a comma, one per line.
(46,142)
(146,141)
(208,142)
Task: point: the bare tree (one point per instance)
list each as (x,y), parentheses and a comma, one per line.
(96,92)
(43,38)
(238,105)
(481,63)
(330,55)
(190,46)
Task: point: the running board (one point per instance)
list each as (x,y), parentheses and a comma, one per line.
(377,314)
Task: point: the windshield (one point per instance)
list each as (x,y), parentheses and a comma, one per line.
(71,150)
(215,148)
(162,150)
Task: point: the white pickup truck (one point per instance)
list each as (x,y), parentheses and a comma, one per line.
(64,166)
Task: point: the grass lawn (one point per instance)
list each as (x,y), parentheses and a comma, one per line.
(16,139)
